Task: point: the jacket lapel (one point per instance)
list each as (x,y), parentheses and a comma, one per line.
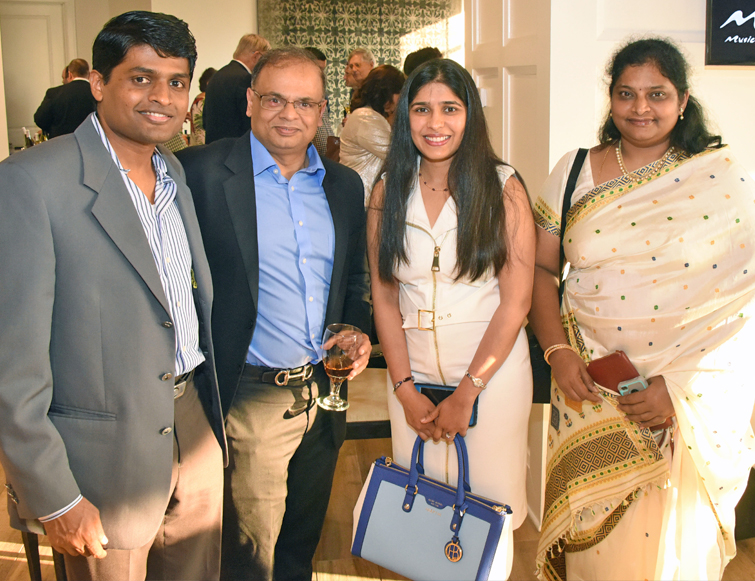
(240,197)
(114,209)
(341,228)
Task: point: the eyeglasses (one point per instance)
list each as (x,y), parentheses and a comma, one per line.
(275,103)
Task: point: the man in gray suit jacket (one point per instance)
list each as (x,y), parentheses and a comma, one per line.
(110,426)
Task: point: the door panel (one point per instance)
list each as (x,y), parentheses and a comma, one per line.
(510,62)
(35,39)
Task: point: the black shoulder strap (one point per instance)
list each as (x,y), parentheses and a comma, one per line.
(571,183)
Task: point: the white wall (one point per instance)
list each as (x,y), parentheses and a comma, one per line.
(216,24)
(584,33)
(91,15)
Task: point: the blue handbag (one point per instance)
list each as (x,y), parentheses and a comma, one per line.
(424,529)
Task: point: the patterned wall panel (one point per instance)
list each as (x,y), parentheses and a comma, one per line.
(391,29)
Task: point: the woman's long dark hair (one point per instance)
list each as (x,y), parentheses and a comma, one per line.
(690,134)
(473,181)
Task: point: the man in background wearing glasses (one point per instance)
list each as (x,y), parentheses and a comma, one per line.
(284,232)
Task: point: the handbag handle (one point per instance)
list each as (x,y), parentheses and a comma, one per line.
(421,462)
(417,468)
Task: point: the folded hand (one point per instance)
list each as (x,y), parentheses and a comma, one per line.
(78,532)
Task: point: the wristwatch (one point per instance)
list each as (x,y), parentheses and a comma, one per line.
(476,381)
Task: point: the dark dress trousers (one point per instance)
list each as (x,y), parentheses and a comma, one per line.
(65,107)
(221,178)
(225,103)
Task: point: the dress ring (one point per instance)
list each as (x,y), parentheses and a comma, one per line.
(448,435)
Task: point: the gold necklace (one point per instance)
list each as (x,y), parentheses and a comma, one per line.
(653,166)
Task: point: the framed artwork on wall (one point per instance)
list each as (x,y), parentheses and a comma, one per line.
(730,33)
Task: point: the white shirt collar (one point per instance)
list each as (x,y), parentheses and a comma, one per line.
(243,65)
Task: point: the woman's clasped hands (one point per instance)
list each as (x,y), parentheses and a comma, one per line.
(441,422)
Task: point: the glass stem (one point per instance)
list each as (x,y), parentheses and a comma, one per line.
(335,387)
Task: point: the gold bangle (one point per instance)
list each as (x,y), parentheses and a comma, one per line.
(549,351)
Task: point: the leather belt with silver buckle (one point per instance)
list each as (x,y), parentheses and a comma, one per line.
(180,387)
(280,377)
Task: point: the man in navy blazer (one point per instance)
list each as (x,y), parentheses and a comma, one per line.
(284,232)
(225,99)
(66,106)
(111,432)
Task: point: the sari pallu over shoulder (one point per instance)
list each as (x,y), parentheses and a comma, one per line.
(663,269)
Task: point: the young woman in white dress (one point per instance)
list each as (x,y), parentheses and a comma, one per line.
(451,244)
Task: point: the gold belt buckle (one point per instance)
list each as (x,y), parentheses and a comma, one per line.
(419,320)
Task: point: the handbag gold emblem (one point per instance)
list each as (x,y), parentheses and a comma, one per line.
(453,551)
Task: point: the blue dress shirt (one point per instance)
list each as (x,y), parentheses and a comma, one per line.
(296,242)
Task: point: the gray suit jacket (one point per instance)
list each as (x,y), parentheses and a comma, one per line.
(85,340)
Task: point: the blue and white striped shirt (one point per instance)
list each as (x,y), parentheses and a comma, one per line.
(166,235)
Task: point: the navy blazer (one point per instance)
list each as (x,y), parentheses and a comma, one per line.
(224,113)
(221,179)
(64,108)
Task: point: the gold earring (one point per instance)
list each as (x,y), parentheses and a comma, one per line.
(681,114)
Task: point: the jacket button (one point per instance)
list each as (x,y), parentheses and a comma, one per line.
(166,376)
(166,431)
(168,325)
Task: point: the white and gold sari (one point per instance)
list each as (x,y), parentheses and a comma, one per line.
(662,268)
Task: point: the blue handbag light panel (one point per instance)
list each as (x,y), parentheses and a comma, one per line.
(425,529)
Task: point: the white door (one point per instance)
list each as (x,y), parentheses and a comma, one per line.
(38,39)
(507,53)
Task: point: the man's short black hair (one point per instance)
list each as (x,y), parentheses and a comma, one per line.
(421,56)
(166,34)
(317,53)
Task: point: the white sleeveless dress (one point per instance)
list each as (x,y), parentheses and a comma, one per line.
(444,322)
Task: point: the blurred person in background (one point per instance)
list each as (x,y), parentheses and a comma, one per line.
(421,56)
(197,109)
(66,106)
(366,135)
(326,129)
(225,98)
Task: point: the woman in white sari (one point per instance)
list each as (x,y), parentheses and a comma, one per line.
(660,239)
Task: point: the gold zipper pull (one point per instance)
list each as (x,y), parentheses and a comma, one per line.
(436,259)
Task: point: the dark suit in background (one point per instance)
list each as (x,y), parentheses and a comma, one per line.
(225,103)
(222,182)
(64,108)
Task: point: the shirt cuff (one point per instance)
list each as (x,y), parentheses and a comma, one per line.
(60,512)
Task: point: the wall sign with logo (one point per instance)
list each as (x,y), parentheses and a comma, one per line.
(730,32)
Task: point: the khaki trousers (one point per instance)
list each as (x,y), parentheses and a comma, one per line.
(278,481)
(187,544)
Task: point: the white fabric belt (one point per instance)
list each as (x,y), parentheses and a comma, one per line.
(473,309)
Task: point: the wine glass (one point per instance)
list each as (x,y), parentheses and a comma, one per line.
(339,344)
